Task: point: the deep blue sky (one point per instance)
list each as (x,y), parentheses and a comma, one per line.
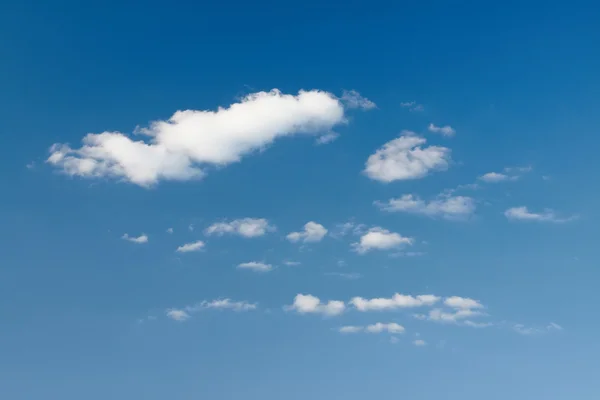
(83,312)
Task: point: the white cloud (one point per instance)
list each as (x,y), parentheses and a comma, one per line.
(473,324)
(188,247)
(256,266)
(462,302)
(312,232)
(308,304)
(292,263)
(455,316)
(523,214)
(494,177)
(177,315)
(327,138)
(353,99)
(345,275)
(447,130)
(346,228)
(397,301)
(139,240)
(378,327)
(350,329)
(404,158)
(419,343)
(380,239)
(223,304)
(246,227)
(181,147)
(524,330)
(170,230)
(412,106)
(449,207)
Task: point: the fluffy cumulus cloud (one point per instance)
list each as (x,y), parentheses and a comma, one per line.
(182,147)
(378,327)
(380,239)
(189,247)
(462,302)
(523,214)
(135,239)
(312,232)
(308,304)
(449,207)
(397,301)
(442,130)
(461,311)
(353,99)
(255,266)
(405,158)
(246,227)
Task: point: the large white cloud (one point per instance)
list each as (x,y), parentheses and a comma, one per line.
(380,239)
(449,207)
(405,158)
(181,147)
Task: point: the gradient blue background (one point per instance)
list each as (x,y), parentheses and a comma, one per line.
(517,80)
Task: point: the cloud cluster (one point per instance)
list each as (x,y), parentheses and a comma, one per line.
(404,158)
(181,147)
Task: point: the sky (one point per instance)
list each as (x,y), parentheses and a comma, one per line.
(289,201)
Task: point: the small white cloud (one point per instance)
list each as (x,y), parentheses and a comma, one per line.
(419,343)
(188,247)
(404,158)
(292,263)
(347,228)
(462,302)
(523,214)
(455,316)
(312,232)
(397,301)
(139,240)
(554,327)
(30,165)
(380,239)
(246,227)
(494,177)
(177,315)
(412,106)
(379,327)
(223,304)
(170,230)
(473,324)
(345,275)
(449,207)
(256,266)
(353,99)
(327,138)
(350,329)
(447,130)
(184,146)
(308,304)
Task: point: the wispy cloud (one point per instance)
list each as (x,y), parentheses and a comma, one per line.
(446,130)
(245,227)
(256,266)
(189,247)
(523,214)
(353,99)
(449,207)
(412,106)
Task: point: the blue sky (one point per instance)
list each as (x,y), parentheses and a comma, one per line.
(387,201)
